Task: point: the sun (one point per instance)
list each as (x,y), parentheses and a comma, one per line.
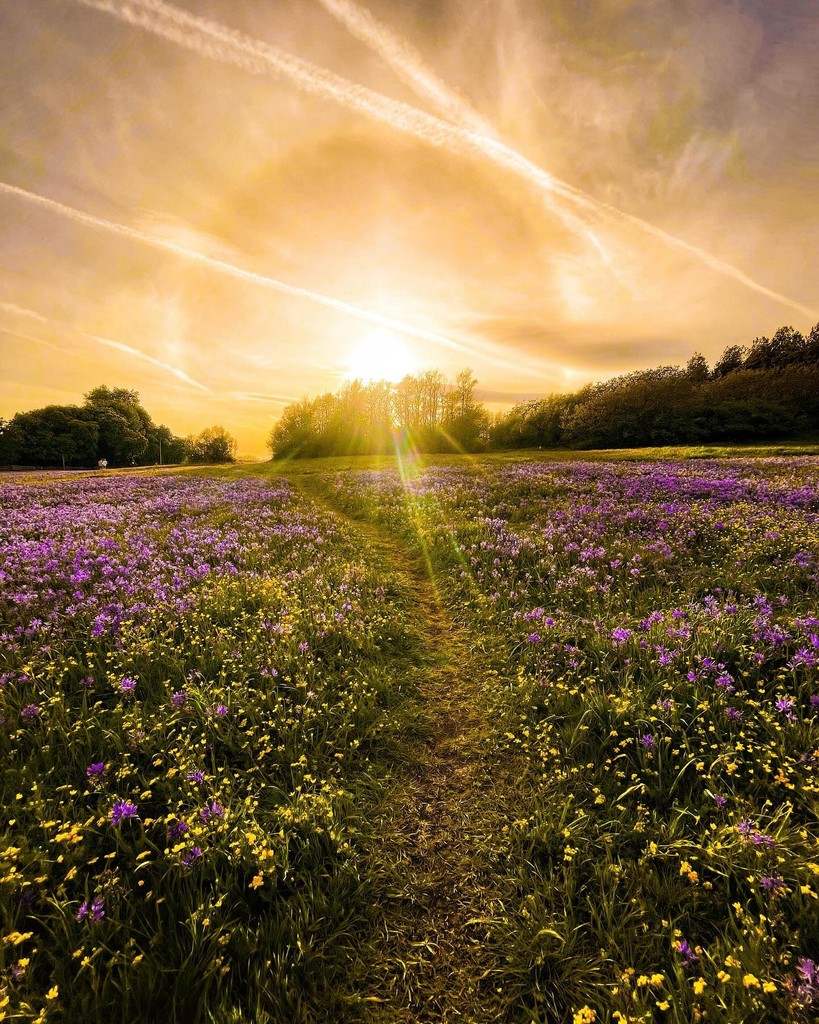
(381,355)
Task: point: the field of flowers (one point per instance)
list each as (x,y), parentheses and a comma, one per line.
(194,717)
(651,640)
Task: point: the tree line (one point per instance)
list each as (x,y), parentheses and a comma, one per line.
(110,425)
(765,391)
(423,410)
(768,390)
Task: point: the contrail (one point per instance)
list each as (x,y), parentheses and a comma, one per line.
(139,354)
(230,270)
(408,63)
(218,42)
(36,340)
(11,307)
(410,67)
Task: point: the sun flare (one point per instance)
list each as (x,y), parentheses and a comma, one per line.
(381,355)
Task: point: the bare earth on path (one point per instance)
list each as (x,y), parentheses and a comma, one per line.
(434,962)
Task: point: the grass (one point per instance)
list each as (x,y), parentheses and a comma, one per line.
(521,737)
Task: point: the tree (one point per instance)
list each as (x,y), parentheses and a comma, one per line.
(56,435)
(124,426)
(696,369)
(730,361)
(214,444)
(10,442)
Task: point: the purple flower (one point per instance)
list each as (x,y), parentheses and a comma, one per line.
(127,686)
(177,830)
(123,810)
(784,704)
(648,741)
(686,952)
(30,713)
(191,857)
(196,776)
(772,883)
(533,638)
(95,771)
(814,700)
(733,713)
(719,800)
(745,827)
(212,810)
(621,635)
(179,699)
(809,971)
(94,911)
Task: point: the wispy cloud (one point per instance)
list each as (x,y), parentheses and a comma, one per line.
(15,310)
(139,354)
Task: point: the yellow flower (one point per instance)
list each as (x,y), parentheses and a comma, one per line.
(258,880)
(664,1005)
(657,979)
(750,981)
(585,1015)
(768,986)
(699,986)
(52,993)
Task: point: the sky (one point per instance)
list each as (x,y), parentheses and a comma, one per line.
(547,192)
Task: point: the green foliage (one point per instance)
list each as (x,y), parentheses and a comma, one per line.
(213,445)
(421,412)
(110,425)
(765,392)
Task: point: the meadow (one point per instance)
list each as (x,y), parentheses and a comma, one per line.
(482,739)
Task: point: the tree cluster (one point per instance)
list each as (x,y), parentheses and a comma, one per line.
(111,424)
(766,391)
(423,411)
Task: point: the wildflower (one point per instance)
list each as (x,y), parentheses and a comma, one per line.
(258,880)
(720,800)
(127,686)
(94,911)
(179,699)
(95,771)
(809,971)
(30,713)
(686,952)
(196,775)
(585,1015)
(212,810)
(621,636)
(733,713)
(176,830)
(123,810)
(750,981)
(699,986)
(648,741)
(768,986)
(191,857)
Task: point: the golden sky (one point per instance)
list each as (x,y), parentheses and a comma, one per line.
(548,192)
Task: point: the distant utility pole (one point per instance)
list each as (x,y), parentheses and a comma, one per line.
(160,451)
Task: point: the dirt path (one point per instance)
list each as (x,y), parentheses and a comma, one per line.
(433,961)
